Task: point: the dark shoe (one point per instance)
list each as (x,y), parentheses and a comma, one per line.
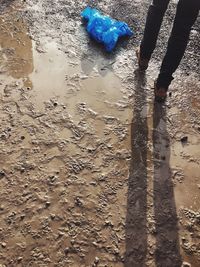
(160,93)
(142,62)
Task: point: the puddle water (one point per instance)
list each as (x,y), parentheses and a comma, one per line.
(49,74)
(15,47)
(55,76)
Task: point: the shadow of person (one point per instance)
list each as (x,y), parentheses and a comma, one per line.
(136,219)
(167,252)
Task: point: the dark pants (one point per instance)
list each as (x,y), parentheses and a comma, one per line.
(186,14)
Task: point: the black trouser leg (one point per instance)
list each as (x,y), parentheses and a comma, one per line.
(153,23)
(187,12)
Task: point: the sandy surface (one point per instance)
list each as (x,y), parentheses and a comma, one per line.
(92,171)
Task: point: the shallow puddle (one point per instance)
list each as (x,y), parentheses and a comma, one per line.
(57,76)
(15,46)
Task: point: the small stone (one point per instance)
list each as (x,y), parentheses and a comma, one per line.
(78,202)
(22,170)
(194,32)
(93,183)
(19,259)
(41,256)
(186,264)
(60,235)
(109,223)
(3,245)
(116,251)
(53,216)
(47,204)
(96,260)
(2,174)
(66,250)
(95,244)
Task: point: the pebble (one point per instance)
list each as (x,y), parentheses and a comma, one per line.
(2,174)
(95,244)
(186,264)
(96,260)
(78,202)
(19,259)
(3,245)
(108,223)
(66,251)
(53,216)
(47,204)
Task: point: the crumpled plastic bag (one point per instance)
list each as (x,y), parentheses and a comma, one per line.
(105,29)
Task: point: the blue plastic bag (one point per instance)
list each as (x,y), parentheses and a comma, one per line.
(105,29)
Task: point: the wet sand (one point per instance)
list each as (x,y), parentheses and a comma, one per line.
(92,171)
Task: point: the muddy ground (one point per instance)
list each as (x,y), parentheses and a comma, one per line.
(92,171)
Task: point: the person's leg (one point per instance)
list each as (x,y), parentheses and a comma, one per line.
(153,23)
(186,15)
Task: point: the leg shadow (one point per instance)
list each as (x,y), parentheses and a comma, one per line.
(136,220)
(167,252)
